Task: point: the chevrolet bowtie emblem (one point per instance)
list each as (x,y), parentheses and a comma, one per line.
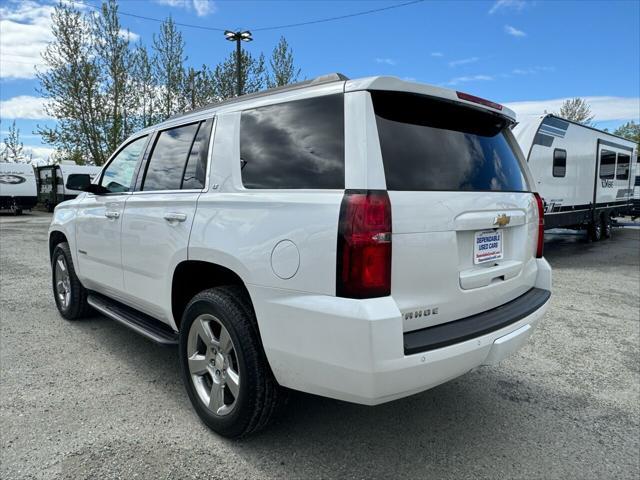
(502,220)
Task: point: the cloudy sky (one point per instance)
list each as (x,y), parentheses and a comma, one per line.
(528,54)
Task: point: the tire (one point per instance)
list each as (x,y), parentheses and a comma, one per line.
(49,206)
(68,292)
(606,226)
(243,396)
(595,231)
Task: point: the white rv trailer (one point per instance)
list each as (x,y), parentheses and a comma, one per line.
(583,174)
(18,189)
(56,182)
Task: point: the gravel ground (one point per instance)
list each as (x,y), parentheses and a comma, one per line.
(90,399)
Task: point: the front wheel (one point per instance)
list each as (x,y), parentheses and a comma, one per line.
(223,364)
(70,295)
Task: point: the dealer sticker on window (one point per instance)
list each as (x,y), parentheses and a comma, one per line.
(487,246)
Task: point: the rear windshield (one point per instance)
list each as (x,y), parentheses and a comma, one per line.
(429,144)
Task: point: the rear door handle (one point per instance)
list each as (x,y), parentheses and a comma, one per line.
(109,214)
(175,217)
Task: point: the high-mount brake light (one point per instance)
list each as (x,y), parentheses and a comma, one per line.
(478,100)
(364,245)
(540,246)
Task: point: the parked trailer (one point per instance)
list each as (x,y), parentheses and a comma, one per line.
(18,189)
(583,174)
(56,182)
(634,211)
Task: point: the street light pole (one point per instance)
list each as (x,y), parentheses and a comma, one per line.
(238,37)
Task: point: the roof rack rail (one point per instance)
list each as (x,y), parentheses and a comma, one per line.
(331,77)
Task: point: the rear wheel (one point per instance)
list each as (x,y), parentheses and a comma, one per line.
(224,367)
(595,231)
(70,295)
(606,226)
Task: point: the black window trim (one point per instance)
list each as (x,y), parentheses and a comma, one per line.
(141,174)
(553,163)
(98,178)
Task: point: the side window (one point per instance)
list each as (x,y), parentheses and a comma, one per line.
(607,164)
(298,144)
(559,163)
(196,168)
(622,170)
(118,175)
(168,158)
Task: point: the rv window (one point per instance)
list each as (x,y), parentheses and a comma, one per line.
(622,171)
(607,164)
(559,163)
(119,173)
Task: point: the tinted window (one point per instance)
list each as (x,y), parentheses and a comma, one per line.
(559,163)
(622,170)
(607,164)
(294,145)
(194,173)
(118,175)
(428,144)
(168,158)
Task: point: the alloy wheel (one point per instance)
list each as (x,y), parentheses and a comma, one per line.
(213,364)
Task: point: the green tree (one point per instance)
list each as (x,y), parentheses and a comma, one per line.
(13,149)
(283,69)
(630,131)
(252,74)
(114,61)
(577,110)
(168,64)
(72,86)
(146,86)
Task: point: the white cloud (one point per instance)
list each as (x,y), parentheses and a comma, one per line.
(26,31)
(514,31)
(517,5)
(387,61)
(23,107)
(531,70)
(201,7)
(437,54)
(463,61)
(470,78)
(604,108)
(39,155)
(129,35)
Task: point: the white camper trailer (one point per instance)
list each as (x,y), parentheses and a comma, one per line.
(56,182)
(584,175)
(18,189)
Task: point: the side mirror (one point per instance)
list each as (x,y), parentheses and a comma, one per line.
(77,181)
(95,189)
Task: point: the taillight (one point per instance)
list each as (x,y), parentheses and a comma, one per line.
(540,247)
(478,100)
(364,245)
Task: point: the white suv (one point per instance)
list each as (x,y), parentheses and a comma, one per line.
(358,239)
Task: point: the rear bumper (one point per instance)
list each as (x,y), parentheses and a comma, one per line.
(354,350)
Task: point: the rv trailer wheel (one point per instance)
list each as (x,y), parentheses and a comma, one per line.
(606,226)
(595,231)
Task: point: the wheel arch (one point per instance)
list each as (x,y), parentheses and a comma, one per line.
(56,237)
(193,276)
